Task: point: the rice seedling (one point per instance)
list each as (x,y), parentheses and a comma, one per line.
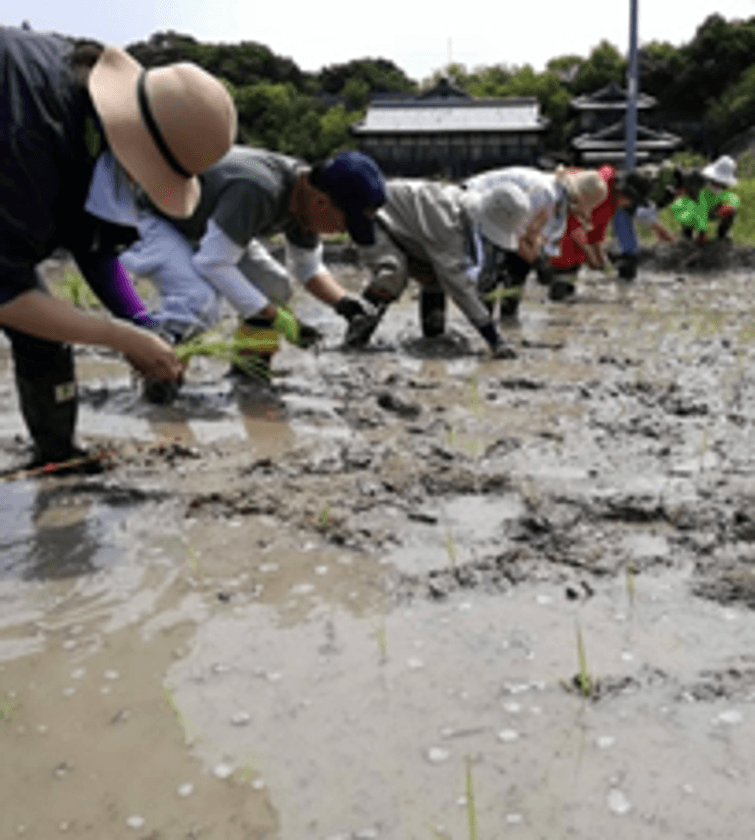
(192,561)
(471,809)
(631,584)
(382,642)
(450,544)
(704,445)
(239,352)
(500,293)
(191,732)
(325,519)
(8,707)
(585,684)
(75,290)
(248,771)
(476,403)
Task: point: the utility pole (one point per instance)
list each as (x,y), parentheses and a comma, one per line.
(632,91)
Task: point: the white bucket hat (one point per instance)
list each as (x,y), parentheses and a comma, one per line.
(501,213)
(164,125)
(722,171)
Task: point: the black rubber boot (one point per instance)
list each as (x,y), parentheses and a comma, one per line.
(432,312)
(562,286)
(510,297)
(626,266)
(44,373)
(514,279)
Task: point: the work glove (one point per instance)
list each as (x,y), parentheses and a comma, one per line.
(349,308)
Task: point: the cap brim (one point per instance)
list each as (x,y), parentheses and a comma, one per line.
(112,85)
(361,228)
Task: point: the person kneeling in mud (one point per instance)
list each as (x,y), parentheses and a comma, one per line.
(216,252)
(441,234)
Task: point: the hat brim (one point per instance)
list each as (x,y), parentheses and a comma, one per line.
(710,173)
(503,239)
(502,232)
(113,88)
(361,228)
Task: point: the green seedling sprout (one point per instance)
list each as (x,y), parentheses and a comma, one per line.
(471,809)
(585,682)
(193,559)
(382,642)
(451,546)
(631,583)
(247,771)
(704,441)
(75,290)
(234,351)
(325,519)
(8,707)
(475,394)
(190,730)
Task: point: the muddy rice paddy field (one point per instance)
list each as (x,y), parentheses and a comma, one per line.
(407,593)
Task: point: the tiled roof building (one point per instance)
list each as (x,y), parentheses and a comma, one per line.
(446,131)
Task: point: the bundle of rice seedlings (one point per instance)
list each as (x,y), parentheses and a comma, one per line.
(74,289)
(246,354)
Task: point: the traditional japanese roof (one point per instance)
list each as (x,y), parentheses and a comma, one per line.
(451,114)
(444,89)
(610,97)
(613,138)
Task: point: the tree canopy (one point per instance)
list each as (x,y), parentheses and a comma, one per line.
(705,89)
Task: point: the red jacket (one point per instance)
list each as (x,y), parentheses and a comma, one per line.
(571,254)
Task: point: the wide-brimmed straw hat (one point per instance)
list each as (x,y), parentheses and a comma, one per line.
(165,125)
(722,171)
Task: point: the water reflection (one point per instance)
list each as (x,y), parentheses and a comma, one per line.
(50,532)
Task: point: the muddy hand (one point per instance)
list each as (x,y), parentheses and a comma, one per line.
(153,357)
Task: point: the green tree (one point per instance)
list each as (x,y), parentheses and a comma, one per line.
(605,64)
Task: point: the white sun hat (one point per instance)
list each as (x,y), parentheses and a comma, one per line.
(164,125)
(722,171)
(501,213)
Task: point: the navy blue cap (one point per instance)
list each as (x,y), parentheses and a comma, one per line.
(355,184)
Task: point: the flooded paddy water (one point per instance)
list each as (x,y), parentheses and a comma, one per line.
(402,590)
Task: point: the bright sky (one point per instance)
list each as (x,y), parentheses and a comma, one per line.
(418,37)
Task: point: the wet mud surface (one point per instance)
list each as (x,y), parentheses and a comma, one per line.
(326,608)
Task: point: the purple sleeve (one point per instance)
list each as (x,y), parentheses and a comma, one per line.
(109,280)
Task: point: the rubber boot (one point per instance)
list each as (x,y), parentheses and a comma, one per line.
(44,373)
(514,279)
(510,297)
(626,266)
(562,286)
(432,312)
(256,360)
